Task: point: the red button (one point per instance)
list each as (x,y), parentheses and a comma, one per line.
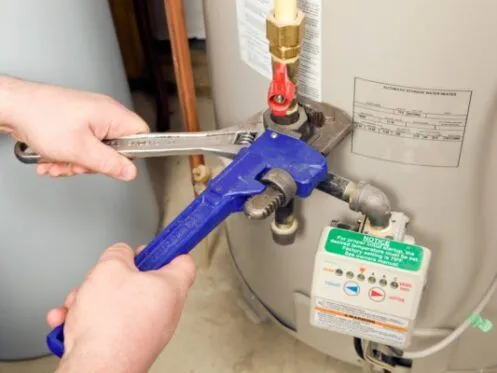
(377,294)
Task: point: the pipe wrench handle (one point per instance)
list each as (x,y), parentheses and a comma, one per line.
(192,225)
(204,214)
(55,341)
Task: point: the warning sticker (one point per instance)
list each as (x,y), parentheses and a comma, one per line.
(374,249)
(354,321)
(420,126)
(254,47)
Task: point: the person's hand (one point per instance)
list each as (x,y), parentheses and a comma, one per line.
(66,126)
(120,319)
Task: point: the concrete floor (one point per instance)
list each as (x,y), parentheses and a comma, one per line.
(215,333)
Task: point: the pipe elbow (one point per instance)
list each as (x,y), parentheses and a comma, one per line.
(373,203)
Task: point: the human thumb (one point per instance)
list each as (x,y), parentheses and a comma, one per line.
(103,159)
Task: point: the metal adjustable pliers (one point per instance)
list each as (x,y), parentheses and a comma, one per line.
(272,164)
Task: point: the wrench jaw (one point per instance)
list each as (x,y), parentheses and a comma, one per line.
(321,126)
(331,125)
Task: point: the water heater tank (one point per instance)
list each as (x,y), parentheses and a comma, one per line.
(419,80)
(52,231)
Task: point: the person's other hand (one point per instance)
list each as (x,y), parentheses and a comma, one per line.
(66,126)
(121,317)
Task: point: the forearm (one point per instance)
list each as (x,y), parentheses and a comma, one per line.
(89,358)
(10,102)
(16,99)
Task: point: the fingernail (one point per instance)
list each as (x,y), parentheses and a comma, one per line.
(128,173)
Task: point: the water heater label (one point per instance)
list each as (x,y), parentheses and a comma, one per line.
(367,286)
(254,47)
(358,321)
(374,249)
(410,125)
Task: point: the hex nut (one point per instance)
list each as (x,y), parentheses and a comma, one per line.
(299,129)
(287,35)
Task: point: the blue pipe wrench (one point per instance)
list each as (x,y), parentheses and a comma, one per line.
(254,149)
(224,195)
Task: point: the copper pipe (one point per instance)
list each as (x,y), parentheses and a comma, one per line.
(151,57)
(175,15)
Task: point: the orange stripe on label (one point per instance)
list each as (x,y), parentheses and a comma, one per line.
(379,323)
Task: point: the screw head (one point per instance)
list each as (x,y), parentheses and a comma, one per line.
(279,99)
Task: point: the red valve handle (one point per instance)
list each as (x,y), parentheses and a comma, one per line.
(281,91)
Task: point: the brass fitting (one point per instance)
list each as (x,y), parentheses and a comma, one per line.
(285,40)
(201,174)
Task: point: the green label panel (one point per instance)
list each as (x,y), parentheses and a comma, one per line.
(375,250)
